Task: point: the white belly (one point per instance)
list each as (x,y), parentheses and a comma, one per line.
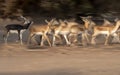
(13,31)
(39,33)
(103,32)
(64,32)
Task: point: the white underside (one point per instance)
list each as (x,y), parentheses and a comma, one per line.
(62,32)
(15,31)
(106,32)
(39,33)
(103,32)
(65,32)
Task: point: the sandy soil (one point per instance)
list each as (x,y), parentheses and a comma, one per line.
(16,59)
(62,60)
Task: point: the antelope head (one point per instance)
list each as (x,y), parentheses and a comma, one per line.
(86,22)
(50,25)
(62,23)
(116,19)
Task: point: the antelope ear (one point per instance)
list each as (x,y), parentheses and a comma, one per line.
(89,17)
(65,21)
(116,19)
(53,20)
(21,16)
(46,21)
(60,21)
(81,17)
(104,19)
(32,22)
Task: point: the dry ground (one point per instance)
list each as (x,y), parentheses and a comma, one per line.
(16,59)
(62,60)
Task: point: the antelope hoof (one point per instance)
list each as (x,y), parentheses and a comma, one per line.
(106,44)
(69,44)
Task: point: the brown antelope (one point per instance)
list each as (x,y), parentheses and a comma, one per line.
(88,24)
(108,30)
(73,37)
(61,29)
(115,35)
(40,30)
(64,29)
(76,30)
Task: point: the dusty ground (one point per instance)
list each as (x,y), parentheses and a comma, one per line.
(77,60)
(16,59)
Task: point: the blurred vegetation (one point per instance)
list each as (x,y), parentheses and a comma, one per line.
(59,8)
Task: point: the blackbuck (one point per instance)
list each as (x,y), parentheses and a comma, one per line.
(106,30)
(65,30)
(42,30)
(16,28)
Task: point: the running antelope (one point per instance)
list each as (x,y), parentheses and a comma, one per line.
(40,30)
(88,24)
(108,30)
(64,29)
(16,28)
(115,35)
(73,37)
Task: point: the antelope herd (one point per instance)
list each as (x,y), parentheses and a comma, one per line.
(71,32)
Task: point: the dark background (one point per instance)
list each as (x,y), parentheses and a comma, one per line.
(59,8)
